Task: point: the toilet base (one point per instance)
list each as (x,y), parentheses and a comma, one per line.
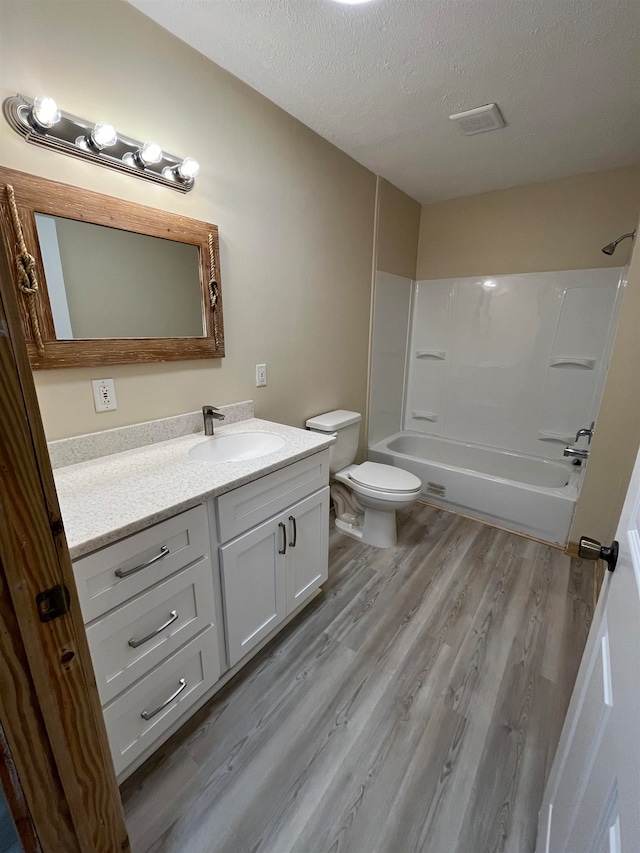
(378,529)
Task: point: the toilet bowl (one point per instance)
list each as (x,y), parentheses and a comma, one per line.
(365,496)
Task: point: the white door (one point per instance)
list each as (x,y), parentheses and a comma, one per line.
(592,799)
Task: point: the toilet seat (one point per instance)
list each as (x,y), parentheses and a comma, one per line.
(384,478)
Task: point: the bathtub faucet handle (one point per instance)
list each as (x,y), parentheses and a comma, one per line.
(587,432)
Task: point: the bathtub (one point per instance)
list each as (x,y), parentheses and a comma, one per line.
(522,493)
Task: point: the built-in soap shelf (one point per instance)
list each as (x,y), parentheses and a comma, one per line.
(424,416)
(573,363)
(438,354)
(549,435)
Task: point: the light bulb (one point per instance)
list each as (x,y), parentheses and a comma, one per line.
(104,135)
(45,111)
(188,169)
(150,153)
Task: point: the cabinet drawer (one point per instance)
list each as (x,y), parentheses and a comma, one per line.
(140,561)
(257,501)
(128,642)
(163,695)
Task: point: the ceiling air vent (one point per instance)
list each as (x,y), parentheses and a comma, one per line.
(479,120)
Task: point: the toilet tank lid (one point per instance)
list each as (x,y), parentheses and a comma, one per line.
(332,421)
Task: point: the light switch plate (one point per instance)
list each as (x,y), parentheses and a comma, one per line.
(104,395)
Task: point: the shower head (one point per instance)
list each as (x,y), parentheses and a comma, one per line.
(610,248)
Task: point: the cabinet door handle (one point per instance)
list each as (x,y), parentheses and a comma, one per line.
(295,531)
(282,526)
(147,715)
(135,643)
(121,573)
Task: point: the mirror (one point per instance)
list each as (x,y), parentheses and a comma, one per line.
(117,282)
(107,283)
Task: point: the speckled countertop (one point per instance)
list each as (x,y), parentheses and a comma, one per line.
(105,499)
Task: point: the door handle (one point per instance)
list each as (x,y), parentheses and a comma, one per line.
(295,531)
(591,549)
(282,527)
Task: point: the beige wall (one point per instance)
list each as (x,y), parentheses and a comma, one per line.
(295,215)
(617,436)
(398,230)
(556,225)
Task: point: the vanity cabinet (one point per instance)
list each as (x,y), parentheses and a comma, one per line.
(271,570)
(274,555)
(148,606)
(165,607)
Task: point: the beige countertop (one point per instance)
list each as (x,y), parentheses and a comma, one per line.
(104,499)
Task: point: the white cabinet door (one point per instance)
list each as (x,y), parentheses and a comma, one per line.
(270,571)
(306,561)
(253,586)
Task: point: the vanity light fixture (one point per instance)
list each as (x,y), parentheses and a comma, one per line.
(147,155)
(102,135)
(185,171)
(41,122)
(44,112)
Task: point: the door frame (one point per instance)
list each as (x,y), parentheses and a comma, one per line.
(50,710)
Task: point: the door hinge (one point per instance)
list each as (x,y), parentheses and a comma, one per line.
(53,602)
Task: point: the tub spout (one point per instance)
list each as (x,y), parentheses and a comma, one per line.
(576,453)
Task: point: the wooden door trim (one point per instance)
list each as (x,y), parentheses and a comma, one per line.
(48,664)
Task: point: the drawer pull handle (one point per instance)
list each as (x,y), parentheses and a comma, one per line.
(295,531)
(135,643)
(284,538)
(147,715)
(121,573)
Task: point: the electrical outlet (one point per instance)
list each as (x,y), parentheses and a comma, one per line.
(261,375)
(104,395)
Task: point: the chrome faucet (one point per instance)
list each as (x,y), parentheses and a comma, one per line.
(576,453)
(210,414)
(587,432)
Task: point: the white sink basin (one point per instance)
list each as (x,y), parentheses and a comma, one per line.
(237,447)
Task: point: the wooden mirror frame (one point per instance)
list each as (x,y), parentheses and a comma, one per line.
(39,195)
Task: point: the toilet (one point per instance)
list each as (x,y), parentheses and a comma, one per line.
(365,496)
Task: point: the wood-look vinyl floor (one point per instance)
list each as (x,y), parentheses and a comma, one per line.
(414,706)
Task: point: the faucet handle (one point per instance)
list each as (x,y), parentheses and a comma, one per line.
(587,432)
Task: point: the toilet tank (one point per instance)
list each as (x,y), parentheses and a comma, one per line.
(346,426)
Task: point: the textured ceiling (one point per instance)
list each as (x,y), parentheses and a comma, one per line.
(379,80)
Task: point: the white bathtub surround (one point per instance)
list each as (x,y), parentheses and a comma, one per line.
(523,493)
(501,373)
(81,448)
(104,499)
(516,362)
